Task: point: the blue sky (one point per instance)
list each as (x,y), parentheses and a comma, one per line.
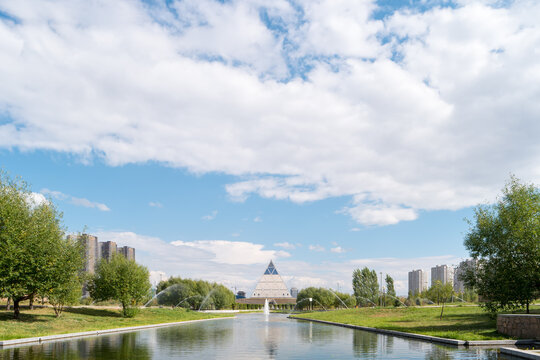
(326,135)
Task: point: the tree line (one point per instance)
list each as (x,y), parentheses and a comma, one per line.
(194,294)
(325,298)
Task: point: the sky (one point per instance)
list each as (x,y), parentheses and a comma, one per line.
(214,136)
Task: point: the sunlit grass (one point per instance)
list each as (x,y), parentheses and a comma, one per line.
(42,321)
(460,322)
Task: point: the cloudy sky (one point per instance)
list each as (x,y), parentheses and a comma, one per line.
(214,136)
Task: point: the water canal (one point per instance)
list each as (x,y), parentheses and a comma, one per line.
(248,336)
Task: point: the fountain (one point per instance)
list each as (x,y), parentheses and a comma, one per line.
(338,298)
(167,289)
(419,301)
(318,303)
(299,302)
(365,298)
(191,297)
(206,298)
(310,300)
(401,302)
(266,307)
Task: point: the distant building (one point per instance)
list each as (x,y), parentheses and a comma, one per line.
(107,250)
(241,295)
(95,250)
(417,281)
(294,292)
(91,251)
(127,252)
(459,285)
(442,273)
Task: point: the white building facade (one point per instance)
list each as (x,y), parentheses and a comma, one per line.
(417,281)
(442,273)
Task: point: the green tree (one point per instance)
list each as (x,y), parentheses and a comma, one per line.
(365,286)
(347,299)
(320,298)
(390,290)
(122,280)
(442,292)
(190,294)
(32,244)
(68,289)
(504,238)
(222,297)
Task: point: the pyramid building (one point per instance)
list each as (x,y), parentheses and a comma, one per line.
(272,287)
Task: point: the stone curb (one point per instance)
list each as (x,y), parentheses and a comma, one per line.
(425,337)
(41,339)
(525,354)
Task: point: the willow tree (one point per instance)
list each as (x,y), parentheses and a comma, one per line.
(505,239)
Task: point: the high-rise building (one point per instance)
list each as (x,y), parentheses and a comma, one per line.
(442,273)
(459,285)
(91,251)
(107,249)
(127,252)
(294,292)
(417,281)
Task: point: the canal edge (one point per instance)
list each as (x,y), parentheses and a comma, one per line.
(41,339)
(525,354)
(454,342)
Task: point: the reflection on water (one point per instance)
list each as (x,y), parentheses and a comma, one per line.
(117,346)
(249,336)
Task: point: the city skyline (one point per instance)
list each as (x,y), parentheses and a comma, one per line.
(215,136)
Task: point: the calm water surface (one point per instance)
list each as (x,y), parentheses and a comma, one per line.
(249,336)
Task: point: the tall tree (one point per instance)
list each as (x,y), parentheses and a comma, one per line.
(365,286)
(68,289)
(31,243)
(122,280)
(390,291)
(504,237)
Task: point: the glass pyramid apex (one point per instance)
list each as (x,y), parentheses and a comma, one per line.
(271,269)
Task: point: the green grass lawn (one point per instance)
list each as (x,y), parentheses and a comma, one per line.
(42,321)
(462,323)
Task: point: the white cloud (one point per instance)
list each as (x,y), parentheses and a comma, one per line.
(257,219)
(354,229)
(234,252)
(435,118)
(380,214)
(316,247)
(36,199)
(210,216)
(75,200)
(338,250)
(157,276)
(155,204)
(285,245)
(241,264)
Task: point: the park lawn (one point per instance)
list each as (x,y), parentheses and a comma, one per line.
(42,321)
(459,322)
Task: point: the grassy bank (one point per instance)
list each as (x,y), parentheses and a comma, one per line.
(42,321)
(462,323)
